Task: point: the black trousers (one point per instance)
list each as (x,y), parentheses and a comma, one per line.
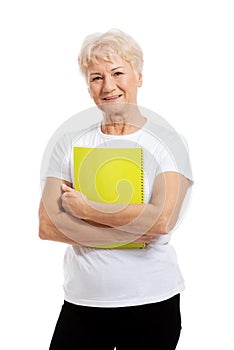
(154,326)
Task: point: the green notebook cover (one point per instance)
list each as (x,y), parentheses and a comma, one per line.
(110,175)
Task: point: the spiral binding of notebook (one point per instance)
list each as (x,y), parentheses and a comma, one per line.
(142,177)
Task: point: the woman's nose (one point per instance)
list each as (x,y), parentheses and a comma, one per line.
(108,84)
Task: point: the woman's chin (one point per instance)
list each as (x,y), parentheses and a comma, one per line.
(113,107)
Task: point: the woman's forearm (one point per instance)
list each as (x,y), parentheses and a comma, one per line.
(126,217)
(63,227)
(157,217)
(132,217)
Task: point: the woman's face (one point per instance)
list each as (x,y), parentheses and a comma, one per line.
(113,81)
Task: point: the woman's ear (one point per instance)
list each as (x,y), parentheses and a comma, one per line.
(140,81)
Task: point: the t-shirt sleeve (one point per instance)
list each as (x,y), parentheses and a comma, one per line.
(60,160)
(174,156)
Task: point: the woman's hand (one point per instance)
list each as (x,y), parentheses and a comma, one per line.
(74,202)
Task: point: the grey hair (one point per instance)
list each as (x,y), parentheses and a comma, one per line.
(106,45)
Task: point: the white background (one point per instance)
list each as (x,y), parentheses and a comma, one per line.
(188,79)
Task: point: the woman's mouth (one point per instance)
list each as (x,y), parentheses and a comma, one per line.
(112,98)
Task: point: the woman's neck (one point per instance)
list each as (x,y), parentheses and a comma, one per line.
(122,124)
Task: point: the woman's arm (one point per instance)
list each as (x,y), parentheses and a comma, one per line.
(57,225)
(157,217)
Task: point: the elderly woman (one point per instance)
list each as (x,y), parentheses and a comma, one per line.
(116,295)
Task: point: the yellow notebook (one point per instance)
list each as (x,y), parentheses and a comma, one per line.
(110,175)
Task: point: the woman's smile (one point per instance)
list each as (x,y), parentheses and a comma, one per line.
(112,98)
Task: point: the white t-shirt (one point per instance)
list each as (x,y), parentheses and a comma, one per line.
(123,277)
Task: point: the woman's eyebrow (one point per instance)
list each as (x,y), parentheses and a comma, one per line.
(117,68)
(95,73)
(98,73)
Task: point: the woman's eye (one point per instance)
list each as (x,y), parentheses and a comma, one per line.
(96,78)
(117,74)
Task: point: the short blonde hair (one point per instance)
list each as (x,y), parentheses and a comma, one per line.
(107,45)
